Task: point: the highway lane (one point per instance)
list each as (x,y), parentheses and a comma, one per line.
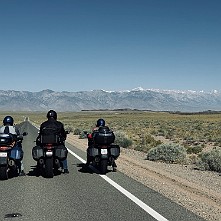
(80,195)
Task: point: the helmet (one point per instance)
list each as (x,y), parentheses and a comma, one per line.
(8,120)
(100,122)
(52,113)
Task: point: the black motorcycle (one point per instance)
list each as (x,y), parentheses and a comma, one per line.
(11,155)
(49,153)
(102,152)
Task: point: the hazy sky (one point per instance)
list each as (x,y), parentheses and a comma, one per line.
(76,45)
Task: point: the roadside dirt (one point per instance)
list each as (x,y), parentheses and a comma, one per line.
(198,191)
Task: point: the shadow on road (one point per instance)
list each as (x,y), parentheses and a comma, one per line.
(35,172)
(89,169)
(85,169)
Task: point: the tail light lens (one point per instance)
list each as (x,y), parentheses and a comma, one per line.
(4,148)
(49,146)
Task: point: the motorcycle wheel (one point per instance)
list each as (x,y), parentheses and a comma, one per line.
(49,167)
(103,166)
(39,169)
(14,171)
(4,172)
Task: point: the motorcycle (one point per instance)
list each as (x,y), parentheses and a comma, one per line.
(11,155)
(102,152)
(49,154)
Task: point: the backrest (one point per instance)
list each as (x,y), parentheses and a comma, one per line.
(48,130)
(49,136)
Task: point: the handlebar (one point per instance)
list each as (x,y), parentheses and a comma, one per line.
(20,137)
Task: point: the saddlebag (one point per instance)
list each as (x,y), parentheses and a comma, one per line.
(104,136)
(115,150)
(3,161)
(92,152)
(37,152)
(16,153)
(61,152)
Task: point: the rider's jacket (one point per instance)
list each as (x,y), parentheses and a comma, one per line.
(8,129)
(56,125)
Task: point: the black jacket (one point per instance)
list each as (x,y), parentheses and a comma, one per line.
(57,125)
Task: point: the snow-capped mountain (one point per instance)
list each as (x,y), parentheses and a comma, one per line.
(138,98)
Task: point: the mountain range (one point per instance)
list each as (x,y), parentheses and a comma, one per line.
(138,98)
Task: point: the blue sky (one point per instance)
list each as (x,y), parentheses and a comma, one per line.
(77,45)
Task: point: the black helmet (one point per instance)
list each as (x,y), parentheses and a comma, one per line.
(100,122)
(52,113)
(8,120)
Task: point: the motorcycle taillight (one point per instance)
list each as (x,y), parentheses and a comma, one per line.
(4,148)
(49,146)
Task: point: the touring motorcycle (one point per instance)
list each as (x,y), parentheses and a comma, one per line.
(49,152)
(102,152)
(11,155)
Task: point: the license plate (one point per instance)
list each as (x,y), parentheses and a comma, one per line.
(3,154)
(49,153)
(103,151)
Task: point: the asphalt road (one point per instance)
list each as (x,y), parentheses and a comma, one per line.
(82,194)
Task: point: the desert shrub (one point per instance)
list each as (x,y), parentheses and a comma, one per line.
(210,160)
(122,139)
(68,128)
(149,141)
(194,149)
(77,131)
(146,143)
(217,142)
(169,153)
(161,132)
(83,135)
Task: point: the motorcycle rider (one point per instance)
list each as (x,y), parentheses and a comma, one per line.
(9,128)
(100,123)
(59,128)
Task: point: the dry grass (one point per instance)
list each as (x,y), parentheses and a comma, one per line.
(142,127)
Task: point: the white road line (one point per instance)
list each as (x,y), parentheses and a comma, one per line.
(141,204)
(75,155)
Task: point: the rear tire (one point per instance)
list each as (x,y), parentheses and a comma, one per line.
(103,166)
(4,172)
(39,169)
(49,167)
(14,171)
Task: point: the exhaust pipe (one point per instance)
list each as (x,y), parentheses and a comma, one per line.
(11,163)
(41,161)
(96,159)
(56,161)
